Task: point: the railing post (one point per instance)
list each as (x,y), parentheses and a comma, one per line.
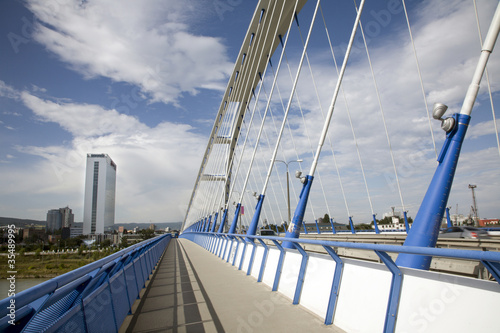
(277,276)
(334,292)
(302,272)
(395,293)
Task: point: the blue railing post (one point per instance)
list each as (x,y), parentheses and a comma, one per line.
(334,292)
(426,225)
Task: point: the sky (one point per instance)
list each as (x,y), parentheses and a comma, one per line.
(143,81)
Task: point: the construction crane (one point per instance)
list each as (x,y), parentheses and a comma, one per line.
(474,206)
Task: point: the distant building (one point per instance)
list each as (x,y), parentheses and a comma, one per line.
(76,229)
(152,227)
(488,222)
(100,185)
(121,229)
(59,218)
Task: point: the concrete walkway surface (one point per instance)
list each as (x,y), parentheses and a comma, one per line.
(193,290)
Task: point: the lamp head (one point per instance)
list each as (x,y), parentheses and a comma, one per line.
(438,111)
(298,174)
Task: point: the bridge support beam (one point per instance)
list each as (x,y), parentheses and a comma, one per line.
(425,229)
(232,228)
(252,229)
(298,217)
(222,222)
(215,222)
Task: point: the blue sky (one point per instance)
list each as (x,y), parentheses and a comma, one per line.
(142,82)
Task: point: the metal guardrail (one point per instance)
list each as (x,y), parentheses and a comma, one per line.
(491,260)
(94,298)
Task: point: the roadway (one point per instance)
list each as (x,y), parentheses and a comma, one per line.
(194,291)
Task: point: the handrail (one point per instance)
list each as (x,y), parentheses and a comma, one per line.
(426,251)
(32,294)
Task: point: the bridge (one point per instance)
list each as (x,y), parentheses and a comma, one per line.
(223,274)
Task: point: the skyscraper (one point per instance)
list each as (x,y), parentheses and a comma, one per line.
(100,184)
(59,218)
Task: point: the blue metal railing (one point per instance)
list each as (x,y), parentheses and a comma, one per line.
(94,298)
(490,259)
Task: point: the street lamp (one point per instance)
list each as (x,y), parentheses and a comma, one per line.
(287,184)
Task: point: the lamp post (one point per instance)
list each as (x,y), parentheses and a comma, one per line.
(288,184)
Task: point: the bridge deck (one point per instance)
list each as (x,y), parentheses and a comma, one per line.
(194,291)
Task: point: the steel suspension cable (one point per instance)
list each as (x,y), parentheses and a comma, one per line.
(419,76)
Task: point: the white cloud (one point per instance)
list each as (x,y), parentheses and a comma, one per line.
(156,166)
(146,43)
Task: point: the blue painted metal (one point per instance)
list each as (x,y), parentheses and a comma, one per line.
(395,293)
(377,231)
(298,216)
(302,272)
(352,225)
(243,252)
(277,276)
(317,226)
(264,259)
(222,222)
(448,220)
(252,256)
(334,292)
(426,225)
(407,225)
(417,250)
(232,228)
(215,222)
(61,302)
(333,226)
(305,229)
(252,229)
(208,223)
(493,268)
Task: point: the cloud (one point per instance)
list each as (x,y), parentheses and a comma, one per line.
(154,163)
(147,44)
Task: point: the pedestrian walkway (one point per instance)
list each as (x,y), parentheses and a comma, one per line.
(194,291)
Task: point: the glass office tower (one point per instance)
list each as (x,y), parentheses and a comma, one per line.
(99,204)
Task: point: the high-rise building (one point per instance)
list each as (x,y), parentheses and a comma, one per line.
(59,218)
(99,204)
